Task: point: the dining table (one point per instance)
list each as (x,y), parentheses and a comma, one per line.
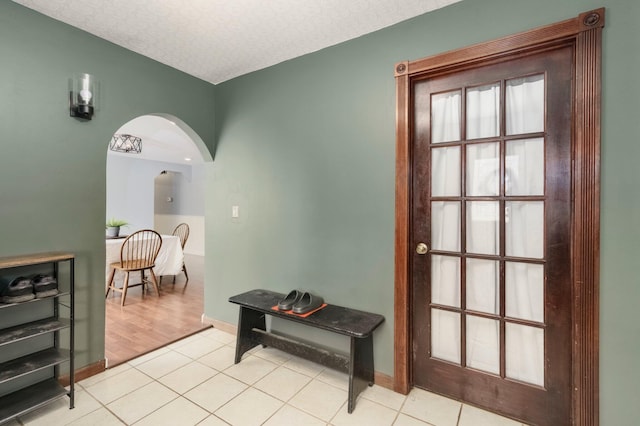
(168,262)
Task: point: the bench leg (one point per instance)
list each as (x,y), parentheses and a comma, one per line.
(248,320)
(360,368)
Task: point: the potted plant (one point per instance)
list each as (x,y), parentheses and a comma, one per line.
(113,226)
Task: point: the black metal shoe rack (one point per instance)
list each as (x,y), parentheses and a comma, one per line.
(31,338)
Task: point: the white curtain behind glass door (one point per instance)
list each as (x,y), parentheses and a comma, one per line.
(524,293)
(445,225)
(525,288)
(483,225)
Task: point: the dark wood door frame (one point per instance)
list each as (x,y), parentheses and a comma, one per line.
(584,33)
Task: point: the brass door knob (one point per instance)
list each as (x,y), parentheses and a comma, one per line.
(422,248)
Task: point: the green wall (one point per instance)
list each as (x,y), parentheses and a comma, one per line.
(53,166)
(306,149)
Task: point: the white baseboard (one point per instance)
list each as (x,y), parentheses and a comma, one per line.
(220,325)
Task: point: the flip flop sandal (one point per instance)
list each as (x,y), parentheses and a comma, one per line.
(308,302)
(18,290)
(292,298)
(44,285)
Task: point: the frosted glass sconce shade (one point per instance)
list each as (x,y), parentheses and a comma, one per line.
(82,96)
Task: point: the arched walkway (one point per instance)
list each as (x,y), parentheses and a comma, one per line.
(170,149)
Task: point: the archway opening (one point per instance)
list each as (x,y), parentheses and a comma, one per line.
(157,188)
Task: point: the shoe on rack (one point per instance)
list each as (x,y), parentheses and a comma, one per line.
(292,298)
(44,285)
(19,290)
(307,303)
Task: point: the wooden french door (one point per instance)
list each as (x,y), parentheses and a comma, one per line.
(497,223)
(491,226)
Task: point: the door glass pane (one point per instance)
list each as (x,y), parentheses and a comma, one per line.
(483,285)
(483,344)
(445,171)
(445,117)
(525,167)
(524,229)
(445,280)
(524,283)
(483,227)
(483,169)
(483,111)
(525,105)
(445,335)
(525,353)
(445,225)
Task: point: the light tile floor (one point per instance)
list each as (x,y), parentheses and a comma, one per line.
(194,382)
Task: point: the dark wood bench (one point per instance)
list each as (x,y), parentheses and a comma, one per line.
(357,325)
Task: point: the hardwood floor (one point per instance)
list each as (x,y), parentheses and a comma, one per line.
(147,322)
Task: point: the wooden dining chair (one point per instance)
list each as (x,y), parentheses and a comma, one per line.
(182,232)
(137,254)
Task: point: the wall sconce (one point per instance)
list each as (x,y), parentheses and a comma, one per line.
(126,143)
(82,96)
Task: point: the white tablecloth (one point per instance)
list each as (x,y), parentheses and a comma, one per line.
(168,262)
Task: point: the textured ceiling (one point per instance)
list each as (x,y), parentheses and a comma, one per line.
(217,40)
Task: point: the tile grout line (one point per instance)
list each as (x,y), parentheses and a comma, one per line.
(311,375)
